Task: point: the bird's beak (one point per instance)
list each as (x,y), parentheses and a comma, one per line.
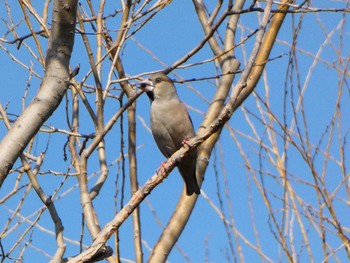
(146,85)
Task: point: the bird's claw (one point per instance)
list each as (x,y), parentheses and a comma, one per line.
(187,142)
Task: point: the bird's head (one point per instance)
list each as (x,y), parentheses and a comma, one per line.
(158,86)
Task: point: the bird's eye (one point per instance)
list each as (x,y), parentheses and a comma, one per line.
(158,80)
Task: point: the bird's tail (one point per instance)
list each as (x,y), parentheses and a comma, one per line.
(187,169)
(192,187)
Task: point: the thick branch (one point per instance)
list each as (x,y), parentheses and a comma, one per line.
(51,91)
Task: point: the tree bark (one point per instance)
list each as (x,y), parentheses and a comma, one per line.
(52,88)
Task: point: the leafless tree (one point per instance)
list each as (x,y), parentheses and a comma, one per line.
(278,183)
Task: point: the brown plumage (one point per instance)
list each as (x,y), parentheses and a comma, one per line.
(171,125)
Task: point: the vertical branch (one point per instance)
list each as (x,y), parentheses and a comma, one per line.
(45,14)
(129,90)
(24,3)
(134,181)
(85,196)
(207,27)
(81,165)
(99,95)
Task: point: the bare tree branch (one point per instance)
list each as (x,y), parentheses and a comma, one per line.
(51,90)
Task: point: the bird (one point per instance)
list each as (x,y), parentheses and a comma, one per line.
(171,125)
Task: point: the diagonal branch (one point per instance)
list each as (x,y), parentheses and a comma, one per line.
(242,90)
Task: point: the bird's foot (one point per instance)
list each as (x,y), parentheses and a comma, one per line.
(187,142)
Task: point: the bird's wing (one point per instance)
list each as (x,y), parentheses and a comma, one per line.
(170,125)
(180,126)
